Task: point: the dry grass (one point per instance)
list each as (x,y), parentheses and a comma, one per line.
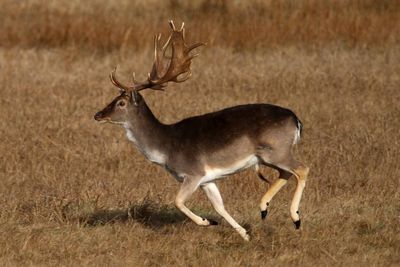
(109,25)
(74,192)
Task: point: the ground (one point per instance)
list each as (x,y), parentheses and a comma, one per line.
(76,192)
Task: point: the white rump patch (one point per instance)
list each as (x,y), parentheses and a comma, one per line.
(297,134)
(213,173)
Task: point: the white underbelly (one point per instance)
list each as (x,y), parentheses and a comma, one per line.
(213,173)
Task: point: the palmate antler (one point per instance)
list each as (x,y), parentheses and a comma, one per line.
(165,69)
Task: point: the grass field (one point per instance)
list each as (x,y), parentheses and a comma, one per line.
(76,192)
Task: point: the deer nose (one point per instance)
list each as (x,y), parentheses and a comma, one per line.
(97,116)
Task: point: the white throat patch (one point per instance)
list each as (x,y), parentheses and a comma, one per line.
(153,155)
(129,134)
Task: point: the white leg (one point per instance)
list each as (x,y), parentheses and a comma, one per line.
(294,207)
(275,187)
(301,176)
(186,190)
(214,196)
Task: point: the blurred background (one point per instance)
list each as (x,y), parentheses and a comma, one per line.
(75,192)
(240,25)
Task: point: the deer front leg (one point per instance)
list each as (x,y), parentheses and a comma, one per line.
(189,186)
(214,196)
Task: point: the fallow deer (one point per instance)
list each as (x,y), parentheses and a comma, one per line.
(199,150)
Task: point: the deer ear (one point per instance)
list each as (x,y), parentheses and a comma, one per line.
(135,97)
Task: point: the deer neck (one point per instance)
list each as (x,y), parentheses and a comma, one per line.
(148,134)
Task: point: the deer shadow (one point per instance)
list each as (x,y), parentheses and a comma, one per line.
(146,213)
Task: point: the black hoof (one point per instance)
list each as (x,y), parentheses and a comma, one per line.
(297,224)
(212,222)
(264,214)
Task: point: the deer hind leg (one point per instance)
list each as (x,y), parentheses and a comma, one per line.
(301,173)
(214,196)
(260,175)
(275,187)
(286,170)
(287,166)
(187,189)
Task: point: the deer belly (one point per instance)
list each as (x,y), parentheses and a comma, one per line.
(215,172)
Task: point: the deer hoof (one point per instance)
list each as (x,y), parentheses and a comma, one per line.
(297,224)
(264,214)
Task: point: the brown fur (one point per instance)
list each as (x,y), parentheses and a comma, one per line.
(216,139)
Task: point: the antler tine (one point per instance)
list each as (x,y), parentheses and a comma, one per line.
(164,48)
(117,83)
(172,25)
(134,78)
(165,68)
(192,56)
(188,75)
(157,39)
(193,46)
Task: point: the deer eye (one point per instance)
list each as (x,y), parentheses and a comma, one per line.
(121,103)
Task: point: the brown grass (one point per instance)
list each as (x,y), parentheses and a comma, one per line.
(74,192)
(109,25)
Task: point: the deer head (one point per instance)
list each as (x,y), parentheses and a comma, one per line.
(174,68)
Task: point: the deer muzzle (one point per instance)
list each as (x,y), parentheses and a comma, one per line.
(99,116)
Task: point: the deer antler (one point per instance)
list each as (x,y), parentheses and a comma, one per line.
(165,69)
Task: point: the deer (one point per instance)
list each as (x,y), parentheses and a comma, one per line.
(199,150)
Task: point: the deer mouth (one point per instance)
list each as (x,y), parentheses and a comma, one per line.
(100,118)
